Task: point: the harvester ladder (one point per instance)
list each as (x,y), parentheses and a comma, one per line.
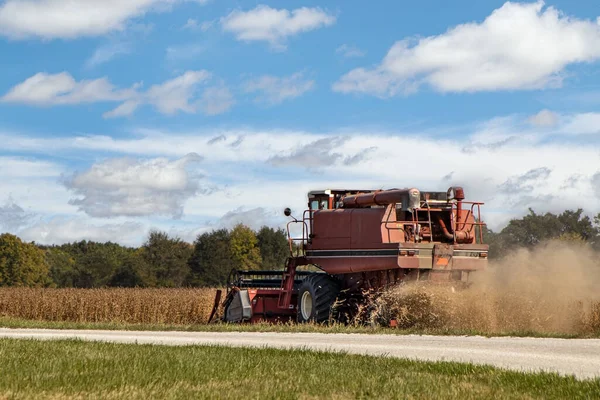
(287,284)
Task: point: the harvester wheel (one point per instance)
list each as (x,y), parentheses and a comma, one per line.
(316,296)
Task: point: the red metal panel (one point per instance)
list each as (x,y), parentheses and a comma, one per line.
(264,306)
(331,229)
(366,228)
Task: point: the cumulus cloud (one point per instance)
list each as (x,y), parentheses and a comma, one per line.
(544,119)
(179,94)
(519,46)
(275,90)
(12,216)
(129,187)
(264,23)
(52,19)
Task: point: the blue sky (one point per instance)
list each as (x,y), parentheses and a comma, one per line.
(118,116)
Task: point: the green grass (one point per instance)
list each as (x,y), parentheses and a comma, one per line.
(8,322)
(76,369)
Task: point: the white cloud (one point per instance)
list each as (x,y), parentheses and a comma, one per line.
(107,52)
(51,19)
(175,95)
(47,89)
(519,46)
(12,216)
(193,24)
(585,123)
(206,25)
(314,155)
(27,168)
(349,51)
(274,90)
(59,230)
(255,218)
(505,162)
(595,182)
(544,119)
(264,23)
(127,187)
(176,54)
(216,100)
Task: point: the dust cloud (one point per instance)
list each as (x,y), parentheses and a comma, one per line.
(554,288)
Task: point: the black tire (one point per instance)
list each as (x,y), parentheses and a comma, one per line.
(320,290)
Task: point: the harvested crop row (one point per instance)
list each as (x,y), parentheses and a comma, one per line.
(139,306)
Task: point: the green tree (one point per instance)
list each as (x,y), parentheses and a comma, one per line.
(167,258)
(244,248)
(62,267)
(534,228)
(95,263)
(211,260)
(98,264)
(274,247)
(22,264)
(134,272)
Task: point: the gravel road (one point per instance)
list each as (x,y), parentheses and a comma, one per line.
(579,357)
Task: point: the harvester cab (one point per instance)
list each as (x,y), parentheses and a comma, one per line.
(358,241)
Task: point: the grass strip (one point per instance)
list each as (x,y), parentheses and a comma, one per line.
(76,369)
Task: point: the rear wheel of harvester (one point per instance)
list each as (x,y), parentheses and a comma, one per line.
(316,296)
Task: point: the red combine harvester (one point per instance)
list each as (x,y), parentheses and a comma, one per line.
(361,240)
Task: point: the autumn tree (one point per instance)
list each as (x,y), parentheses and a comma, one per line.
(244,248)
(22,264)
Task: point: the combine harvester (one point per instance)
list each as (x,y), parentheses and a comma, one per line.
(359,241)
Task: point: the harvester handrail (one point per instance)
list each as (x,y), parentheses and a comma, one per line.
(476,217)
(305,231)
(472,226)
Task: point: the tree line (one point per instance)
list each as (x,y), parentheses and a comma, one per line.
(533,229)
(165,261)
(162,260)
